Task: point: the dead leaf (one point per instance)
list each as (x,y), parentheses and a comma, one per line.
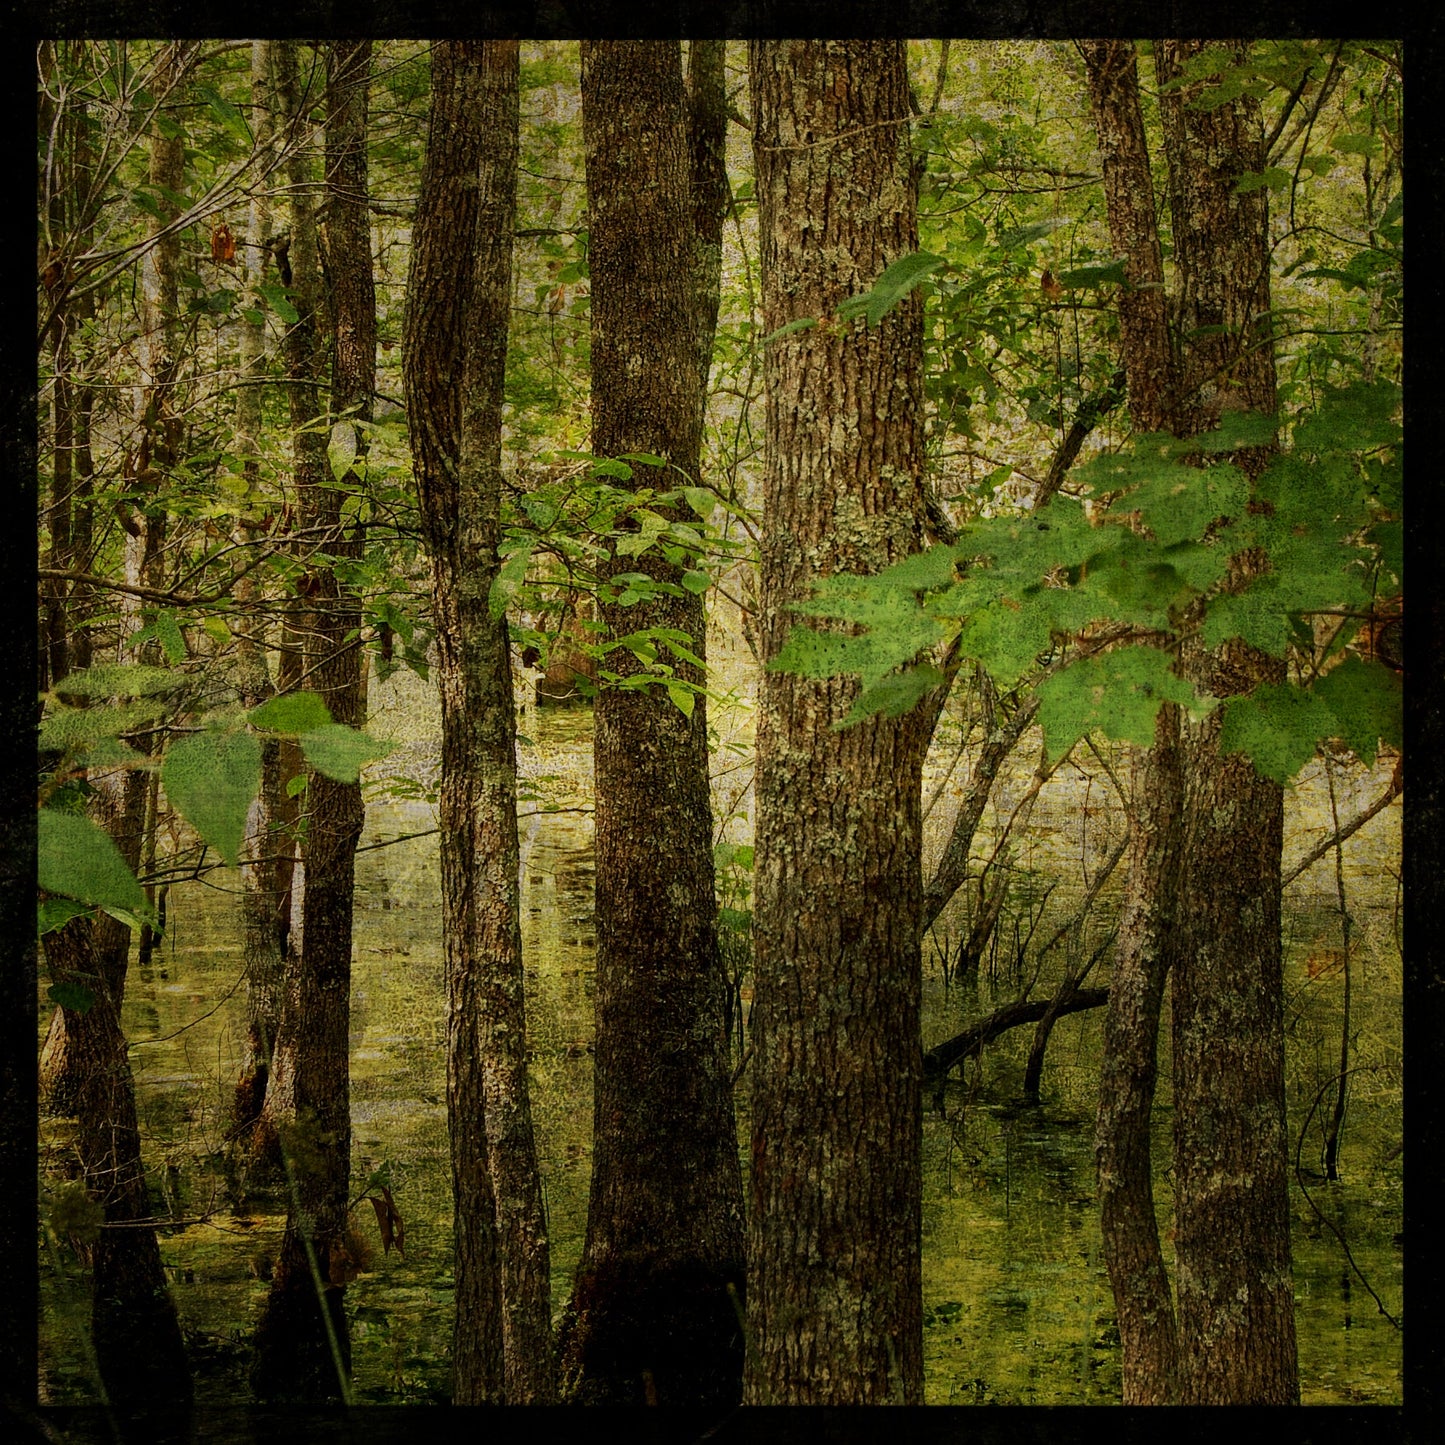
(223,244)
(389,1223)
(1050,287)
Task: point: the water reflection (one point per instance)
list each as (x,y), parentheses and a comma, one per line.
(1017,1302)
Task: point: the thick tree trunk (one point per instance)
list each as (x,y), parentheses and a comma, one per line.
(459,294)
(303,1344)
(1235,1287)
(652,1316)
(132,1312)
(834,1294)
(137,1336)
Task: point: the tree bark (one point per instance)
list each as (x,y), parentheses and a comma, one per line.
(455,355)
(1231,1156)
(1129,1069)
(268,840)
(652,1316)
(834,1293)
(137,1337)
(1143,1303)
(303,1348)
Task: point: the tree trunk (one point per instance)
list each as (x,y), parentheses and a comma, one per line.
(1129,1071)
(137,1336)
(459,296)
(1231,1148)
(268,836)
(834,1293)
(653,1315)
(303,1348)
(1143,1304)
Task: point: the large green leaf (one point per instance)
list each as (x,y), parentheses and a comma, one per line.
(120,679)
(84,727)
(77,859)
(1118,694)
(340,752)
(891,287)
(1367,701)
(294,712)
(211,779)
(1278,726)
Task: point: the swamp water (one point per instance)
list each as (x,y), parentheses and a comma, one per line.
(1017,1305)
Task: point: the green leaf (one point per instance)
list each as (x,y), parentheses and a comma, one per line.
(72,996)
(211,779)
(801,324)
(894,695)
(682,697)
(922,571)
(1239,429)
(696,581)
(296,786)
(339,752)
(1109,274)
(1256,616)
(509,578)
(120,679)
(110,752)
(1027,235)
(171,638)
(280,303)
(1118,693)
(1278,726)
(700,500)
(79,860)
(53,913)
(891,287)
(1366,699)
(1007,638)
(73,727)
(295,712)
(341,449)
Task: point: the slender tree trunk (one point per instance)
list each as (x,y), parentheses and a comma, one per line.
(1129,1072)
(652,1316)
(1144,1307)
(834,1292)
(459,296)
(268,836)
(303,1348)
(1231,1156)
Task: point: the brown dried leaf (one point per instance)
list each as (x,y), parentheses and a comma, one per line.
(223,244)
(389,1223)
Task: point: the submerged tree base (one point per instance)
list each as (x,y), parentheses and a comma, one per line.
(641,1332)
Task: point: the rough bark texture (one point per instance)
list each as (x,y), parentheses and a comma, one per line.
(455,346)
(302,1342)
(651,1318)
(1128,1072)
(1133,231)
(1144,1306)
(834,1302)
(266,881)
(1234,1282)
(137,1336)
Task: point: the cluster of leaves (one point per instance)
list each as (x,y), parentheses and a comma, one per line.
(211,773)
(558,538)
(1093,602)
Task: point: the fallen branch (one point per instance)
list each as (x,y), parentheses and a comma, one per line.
(938,1060)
